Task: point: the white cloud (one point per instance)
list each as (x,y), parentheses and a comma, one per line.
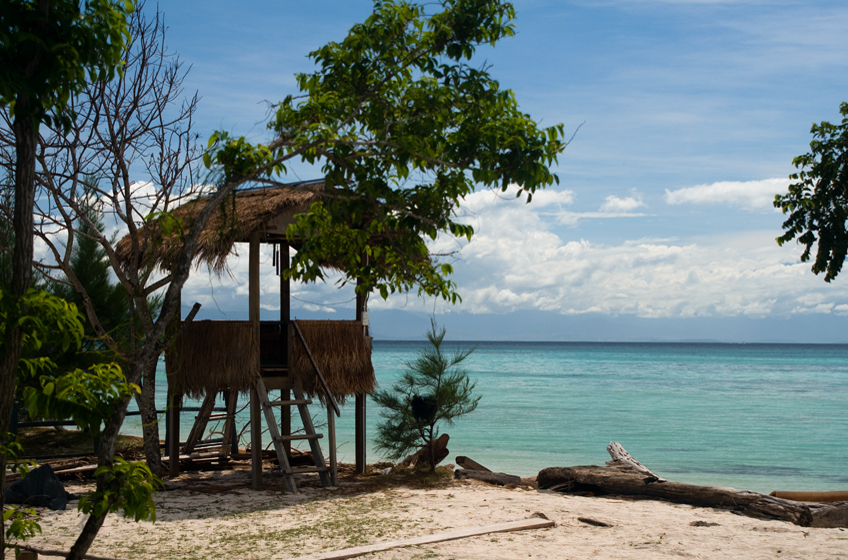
(516,261)
(751,195)
(616,205)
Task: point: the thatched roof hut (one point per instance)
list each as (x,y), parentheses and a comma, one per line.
(266,210)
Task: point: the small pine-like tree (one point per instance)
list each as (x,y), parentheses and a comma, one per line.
(434,388)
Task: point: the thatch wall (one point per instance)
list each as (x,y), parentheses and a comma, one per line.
(213,355)
(236,219)
(341,351)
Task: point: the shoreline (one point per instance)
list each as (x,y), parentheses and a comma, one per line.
(216,514)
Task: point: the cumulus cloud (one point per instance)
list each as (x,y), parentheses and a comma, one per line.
(612,207)
(616,205)
(517,261)
(751,195)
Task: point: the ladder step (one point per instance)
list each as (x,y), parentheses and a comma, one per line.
(300,470)
(220,417)
(290,403)
(274,369)
(299,436)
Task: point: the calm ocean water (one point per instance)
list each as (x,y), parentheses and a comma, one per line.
(753,416)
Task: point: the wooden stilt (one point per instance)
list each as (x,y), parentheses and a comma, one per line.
(174,399)
(199,427)
(228,447)
(359,411)
(331,432)
(255,409)
(285,342)
(174,436)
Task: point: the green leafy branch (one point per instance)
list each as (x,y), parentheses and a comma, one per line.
(130,488)
(817,202)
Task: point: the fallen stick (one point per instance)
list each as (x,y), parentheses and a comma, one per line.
(430,539)
(62,553)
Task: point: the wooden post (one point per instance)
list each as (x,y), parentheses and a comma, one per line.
(174,403)
(286,342)
(255,413)
(359,412)
(331,428)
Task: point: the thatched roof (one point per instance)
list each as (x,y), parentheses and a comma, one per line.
(213,355)
(222,355)
(341,351)
(236,220)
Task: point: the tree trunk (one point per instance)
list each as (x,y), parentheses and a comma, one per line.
(150,419)
(24,130)
(105,457)
(432,447)
(108,439)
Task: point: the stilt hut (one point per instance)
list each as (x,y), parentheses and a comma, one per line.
(304,360)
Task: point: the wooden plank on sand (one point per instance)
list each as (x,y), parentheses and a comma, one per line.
(430,539)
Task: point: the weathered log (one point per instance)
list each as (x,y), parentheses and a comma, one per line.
(501,479)
(470,464)
(627,481)
(620,456)
(422,456)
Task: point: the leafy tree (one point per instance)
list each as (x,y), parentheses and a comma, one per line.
(433,389)
(404,128)
(86,396)
(136,161)
(817,203)
(48,48)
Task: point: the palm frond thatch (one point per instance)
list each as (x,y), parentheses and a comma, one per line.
(160,242)
(213,356)
(342,353)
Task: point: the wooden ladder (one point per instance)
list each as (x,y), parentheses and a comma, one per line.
(327,475)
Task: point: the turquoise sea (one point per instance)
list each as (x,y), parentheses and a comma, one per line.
(753,416)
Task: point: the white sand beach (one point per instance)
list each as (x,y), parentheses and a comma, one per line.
(216,515)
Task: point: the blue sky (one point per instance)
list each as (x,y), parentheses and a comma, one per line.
(689,115)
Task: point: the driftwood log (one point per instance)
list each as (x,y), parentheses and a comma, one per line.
(422,456)
(622,477)
(498,478)
(470,464)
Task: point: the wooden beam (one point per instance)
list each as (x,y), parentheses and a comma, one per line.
(331,429)
(174,405)
(253,307)
(230,444)
(285,341)
(199,426)
(359,413)
(432,539)
(172,420)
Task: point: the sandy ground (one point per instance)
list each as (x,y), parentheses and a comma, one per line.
(216,515)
